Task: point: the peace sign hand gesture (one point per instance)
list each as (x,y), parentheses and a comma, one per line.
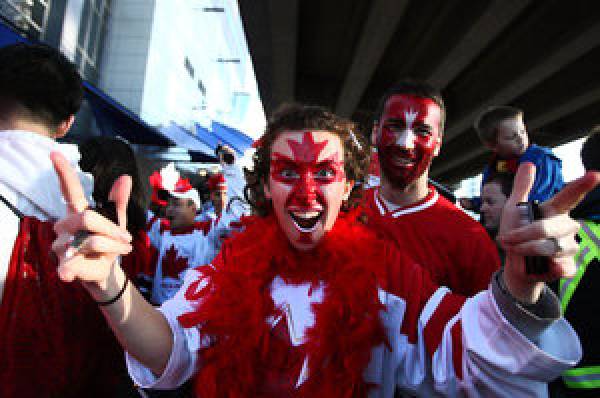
(92,261)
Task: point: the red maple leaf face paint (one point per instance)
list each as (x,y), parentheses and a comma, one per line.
(307,184)
(408,137)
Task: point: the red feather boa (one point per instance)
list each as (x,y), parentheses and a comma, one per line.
(235,308)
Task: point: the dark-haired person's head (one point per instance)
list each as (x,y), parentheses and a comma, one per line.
(107,158)
(225,154)
(590,151)
(407,132)
(494,194)
(40,90)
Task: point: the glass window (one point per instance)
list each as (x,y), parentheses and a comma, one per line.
(95,23)
(38,13)
(28,15)
(189,67)
(90,73)
(84,24)
(78,57)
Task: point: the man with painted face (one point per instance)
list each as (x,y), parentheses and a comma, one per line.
(407,133)
(179,244)
(308,302)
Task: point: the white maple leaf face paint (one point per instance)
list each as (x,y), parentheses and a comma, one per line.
(410,116)
(406,139)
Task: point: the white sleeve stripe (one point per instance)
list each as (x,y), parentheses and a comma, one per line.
(382,210)
(433,302)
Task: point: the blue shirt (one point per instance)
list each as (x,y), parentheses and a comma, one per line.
(548,172)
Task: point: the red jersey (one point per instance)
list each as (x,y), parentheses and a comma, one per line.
(436,234)
(54,342)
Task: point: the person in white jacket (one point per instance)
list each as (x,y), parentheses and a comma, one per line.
(29,126)
(308,302)
(232,171)
(40,92)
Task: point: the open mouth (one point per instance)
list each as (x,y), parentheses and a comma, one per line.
(403,162)
(306,221)
(399,157)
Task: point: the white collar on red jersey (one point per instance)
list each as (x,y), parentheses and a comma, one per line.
(387,208)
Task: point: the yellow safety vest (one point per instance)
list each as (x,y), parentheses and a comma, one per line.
(589,249)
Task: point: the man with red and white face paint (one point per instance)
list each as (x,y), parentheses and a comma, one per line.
(307,184)
(408,137)
(408,134)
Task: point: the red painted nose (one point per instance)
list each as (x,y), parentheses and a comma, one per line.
(306,192)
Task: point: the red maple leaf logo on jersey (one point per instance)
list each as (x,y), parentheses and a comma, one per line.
(172,264)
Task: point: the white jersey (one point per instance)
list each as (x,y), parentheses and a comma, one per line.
(177,252)
(223,226)
(472,350)
(235,180)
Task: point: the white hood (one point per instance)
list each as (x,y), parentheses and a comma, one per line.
(26,169)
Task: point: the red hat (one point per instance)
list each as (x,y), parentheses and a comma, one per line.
(257,143)
(216,182)
(184,190)
(163,180)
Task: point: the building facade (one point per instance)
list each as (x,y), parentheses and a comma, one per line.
(181,61)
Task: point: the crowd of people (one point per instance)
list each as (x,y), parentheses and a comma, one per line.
(331,268)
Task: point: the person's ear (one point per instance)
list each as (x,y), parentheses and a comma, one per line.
(266,190)
(347,189)
(438,146)
(374,133)
(64,127)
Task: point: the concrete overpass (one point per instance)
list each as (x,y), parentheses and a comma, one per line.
(542,56)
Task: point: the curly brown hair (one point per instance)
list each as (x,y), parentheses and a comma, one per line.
(291,117)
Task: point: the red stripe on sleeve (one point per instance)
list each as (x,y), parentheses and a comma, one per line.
(434,329)
(457,349)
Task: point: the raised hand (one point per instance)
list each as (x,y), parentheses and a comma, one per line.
(553,236)
(92,261)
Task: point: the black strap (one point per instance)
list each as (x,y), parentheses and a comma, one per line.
(12,207)
(117,297)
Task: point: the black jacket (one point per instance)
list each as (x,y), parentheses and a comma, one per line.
(583,308)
